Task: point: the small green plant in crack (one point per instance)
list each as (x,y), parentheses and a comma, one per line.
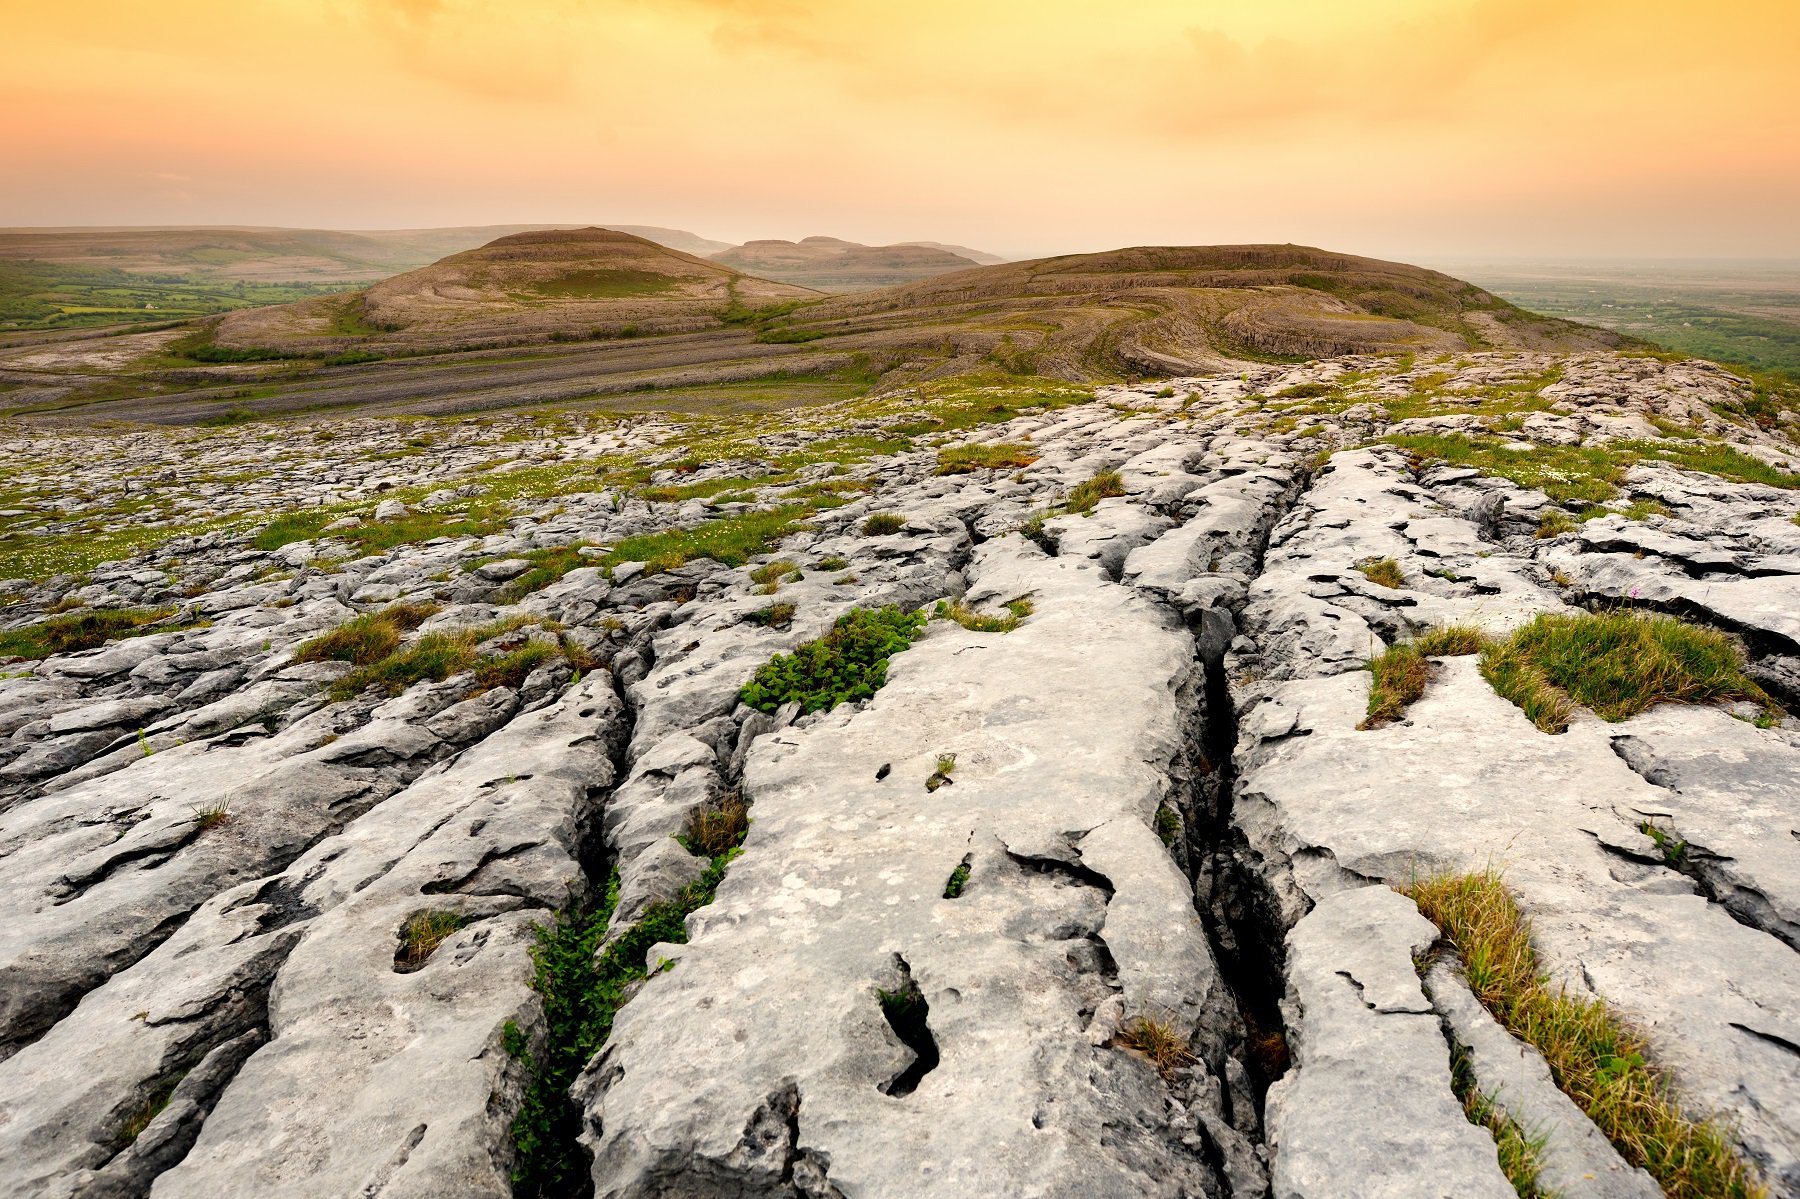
(771,575)
(959,878)
(146,1112)
(1554,523)
(1105,484)
(421,935)
(881,524)
(833,562)
(848,663)
(775,616)
(940,776)
(212,816)
(1017,610)
(1673,849)
(582,987)
(144,743)
(1168,824)
(1160,1042)
(1383,572)
(717,826)
(1520,1153)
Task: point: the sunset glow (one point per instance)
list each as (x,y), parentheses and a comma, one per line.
(1404,128)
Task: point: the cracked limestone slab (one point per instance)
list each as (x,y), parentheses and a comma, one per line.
(1366,1111)
(1071,900)
(1576,1160)
(1466,783)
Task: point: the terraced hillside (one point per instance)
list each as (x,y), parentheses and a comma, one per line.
(1370,776)
(599,319)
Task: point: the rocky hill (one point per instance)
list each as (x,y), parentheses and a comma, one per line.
(832,265)
(1367,776)
(544,282)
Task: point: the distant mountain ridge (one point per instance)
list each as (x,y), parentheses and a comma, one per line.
(834,265)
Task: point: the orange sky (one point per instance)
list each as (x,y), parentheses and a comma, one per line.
(1406,128)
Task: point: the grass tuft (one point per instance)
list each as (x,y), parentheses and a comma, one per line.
(1159,1041)
(1616,663)
(368,638)
(717,827)
(1105,484)
(1597,1060)
(421,935)
(881,524)
(1383,572)
(1017,610)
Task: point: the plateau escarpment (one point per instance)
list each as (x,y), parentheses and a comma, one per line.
(972,789)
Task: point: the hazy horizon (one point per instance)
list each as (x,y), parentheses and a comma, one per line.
(1413,129)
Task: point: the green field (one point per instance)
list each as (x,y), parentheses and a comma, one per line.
(44,295)
(1744,314)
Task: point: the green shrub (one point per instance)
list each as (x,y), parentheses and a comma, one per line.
(848,663)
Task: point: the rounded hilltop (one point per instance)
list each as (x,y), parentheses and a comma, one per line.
(527,285)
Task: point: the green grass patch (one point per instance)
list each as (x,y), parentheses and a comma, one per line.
(1595,1058)
(1105,484)
(967,459)
(731,540)
(421,935)
(1383,572)
(882,524)
(1617,664)
(1401,671)
(604,285)
(83,630)
(547,566)
(977,622)
(848,663)
(368,638)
